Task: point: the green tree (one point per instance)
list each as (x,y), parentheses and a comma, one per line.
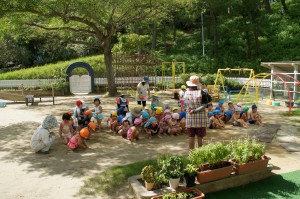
(88,22)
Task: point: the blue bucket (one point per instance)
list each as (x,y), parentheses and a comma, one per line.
(2,104)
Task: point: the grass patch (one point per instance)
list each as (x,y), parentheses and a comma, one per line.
(277,186)
(293,113)
(57,70)
(295,120)
(109,180)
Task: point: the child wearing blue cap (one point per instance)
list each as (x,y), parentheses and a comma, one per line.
(254,116)
(221,107)
(152,128)
(216,122)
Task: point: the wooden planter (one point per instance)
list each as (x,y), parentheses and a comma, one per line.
(250,167)
(212,175)
(197,191)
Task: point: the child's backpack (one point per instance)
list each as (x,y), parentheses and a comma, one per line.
(206,98)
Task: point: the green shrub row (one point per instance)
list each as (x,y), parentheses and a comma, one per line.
(57,70)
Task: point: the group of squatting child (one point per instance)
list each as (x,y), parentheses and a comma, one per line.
(154,120)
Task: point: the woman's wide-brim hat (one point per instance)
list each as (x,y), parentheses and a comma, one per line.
(194,81)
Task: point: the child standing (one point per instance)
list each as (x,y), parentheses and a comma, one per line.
(98,112)
(154,101)
(65,128)
(254,117)
(78,140)
(181,96)
(123,103)
(79,113)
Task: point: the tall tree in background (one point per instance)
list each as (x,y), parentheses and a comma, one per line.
(89,22)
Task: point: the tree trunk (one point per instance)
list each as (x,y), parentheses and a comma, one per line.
(256,35)
(248,43)
(110,75)
(284,6)
(174,29)
(267,6)
(215,32)
(154,36)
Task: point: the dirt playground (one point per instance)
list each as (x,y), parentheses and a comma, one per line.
(60,174)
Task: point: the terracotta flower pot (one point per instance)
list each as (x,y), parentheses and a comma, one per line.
(149,185)
(252,166)
(194,190)
(215,174)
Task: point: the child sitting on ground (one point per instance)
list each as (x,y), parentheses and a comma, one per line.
(245,115)
(254,117)
(88,117)
(152,128)
(175,128)
(65,128)
(134,131)
(111,122)
(216,122)
(122,130)
(98,112)
(158,113)
(182,122)
(78,140)
(222,109)
(237,118)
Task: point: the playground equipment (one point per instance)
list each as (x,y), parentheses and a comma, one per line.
(163,70)
(221,77)
(257,79)
(216,88)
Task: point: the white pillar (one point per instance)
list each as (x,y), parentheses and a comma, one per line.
(295,84)
(271,85)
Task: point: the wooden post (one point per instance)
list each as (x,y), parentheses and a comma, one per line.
(53,94)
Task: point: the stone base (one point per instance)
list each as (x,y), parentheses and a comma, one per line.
(141,192)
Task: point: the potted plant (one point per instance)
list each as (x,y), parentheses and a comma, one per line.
(212,162)
(190,172)
(148,174)
(248,156)
(172,167)
(191,193)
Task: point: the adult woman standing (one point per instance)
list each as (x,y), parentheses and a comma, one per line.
(196,118)
(142,89)
(42,138)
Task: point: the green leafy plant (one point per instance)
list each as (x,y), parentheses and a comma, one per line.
(149,174)
(212,153)
(245,150)
(180,195)
(190,169)
(173,167)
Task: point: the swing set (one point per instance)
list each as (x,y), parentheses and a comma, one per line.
(215,90)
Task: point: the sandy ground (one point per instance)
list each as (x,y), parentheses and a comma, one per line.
(60,174)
